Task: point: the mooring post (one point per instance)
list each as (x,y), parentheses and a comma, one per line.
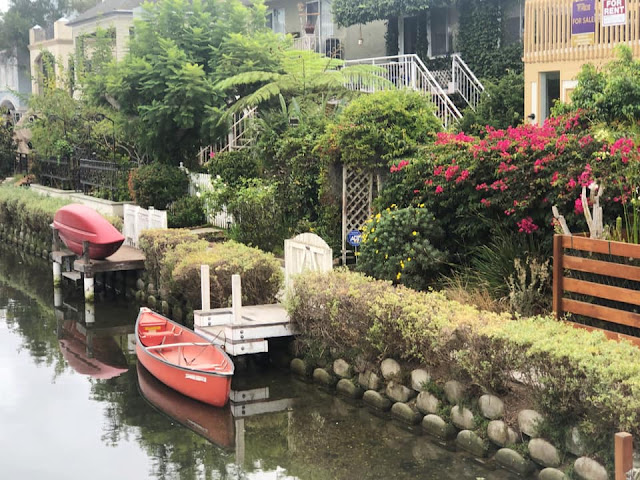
(623,455)
(240,445)
(89,293)
(205,287)
(57,275)
(57,296)
(236,298)
(89,313)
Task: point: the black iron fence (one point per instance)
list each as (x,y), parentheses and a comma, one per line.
(21,164)
(102,178)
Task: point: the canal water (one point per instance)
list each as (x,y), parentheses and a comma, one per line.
(74,404)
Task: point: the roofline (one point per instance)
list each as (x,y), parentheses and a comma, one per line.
(111,13)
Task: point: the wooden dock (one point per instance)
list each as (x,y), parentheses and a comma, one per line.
(248,332)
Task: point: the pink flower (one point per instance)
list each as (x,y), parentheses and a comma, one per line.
(438,170)
(212,154)
(526,225)
(439,189)
(485,202)
(451,172)
(578,208)
(463,176)
(571,184)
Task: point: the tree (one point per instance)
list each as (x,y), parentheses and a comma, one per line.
(164,87)
(7,144)
(303,74)
(612,93)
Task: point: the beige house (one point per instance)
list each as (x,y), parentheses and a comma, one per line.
(554,54)
(115,16)
(49,50)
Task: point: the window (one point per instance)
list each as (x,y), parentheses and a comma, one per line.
(312,10)
(441,36)
(275,20)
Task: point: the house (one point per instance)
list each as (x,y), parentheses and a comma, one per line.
(15,82)
(50,51)
(561,36)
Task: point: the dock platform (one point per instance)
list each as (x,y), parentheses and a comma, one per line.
(248,331)
(125,258)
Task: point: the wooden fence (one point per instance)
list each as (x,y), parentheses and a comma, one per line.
(592,277)
(547,32)
(138,219)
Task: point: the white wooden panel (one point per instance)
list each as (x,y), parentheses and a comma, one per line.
(306,251)
(137,220)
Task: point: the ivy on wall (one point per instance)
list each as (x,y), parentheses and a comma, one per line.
(481,38)
(352,12)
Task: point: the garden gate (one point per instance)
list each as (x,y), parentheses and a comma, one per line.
(306,251)
(358,191)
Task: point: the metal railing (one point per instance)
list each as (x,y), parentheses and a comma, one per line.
(465,82)
(21,164)
(236,139)
(105,177)
(329,46)
(408,71)
(55,172)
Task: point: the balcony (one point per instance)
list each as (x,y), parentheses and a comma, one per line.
(547,33)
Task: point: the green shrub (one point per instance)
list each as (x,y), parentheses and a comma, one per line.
(257,215)
(156,244)
(235,166)
(574,376)
(375,129)
(7,145)
(186,212)
(260,272)
(157,185)
(398,245)
(501,106)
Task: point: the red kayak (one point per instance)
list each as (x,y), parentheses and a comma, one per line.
(183,359)
(214,424)
(78,223)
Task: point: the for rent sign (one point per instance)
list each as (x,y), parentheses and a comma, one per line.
(614,12)
(583,22)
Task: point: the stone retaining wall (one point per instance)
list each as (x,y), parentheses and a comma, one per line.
(449,413)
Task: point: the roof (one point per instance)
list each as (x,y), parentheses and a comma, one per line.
(108,7)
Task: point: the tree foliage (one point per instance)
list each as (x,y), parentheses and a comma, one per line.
(501,106)
(7,144)
(164,86)
(612,93)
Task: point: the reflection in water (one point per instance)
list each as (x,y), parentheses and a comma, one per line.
(60,398)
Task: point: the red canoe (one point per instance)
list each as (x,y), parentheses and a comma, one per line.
(78,223)
(183,359)
(214,424)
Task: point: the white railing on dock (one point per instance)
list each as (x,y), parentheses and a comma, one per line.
(408,71)
(138,219)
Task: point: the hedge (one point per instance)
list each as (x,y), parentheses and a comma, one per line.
(29,212)
(574,377)
(173,259)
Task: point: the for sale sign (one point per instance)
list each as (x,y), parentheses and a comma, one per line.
(614,12)
(583,22)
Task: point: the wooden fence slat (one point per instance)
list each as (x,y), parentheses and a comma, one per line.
(610,335)
(607,314)
(620,249)
(617,294)
(623,455)
(558,273)
(599,267)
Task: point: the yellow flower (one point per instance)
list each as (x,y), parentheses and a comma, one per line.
(375,239)
(372,230)
(376,251)
(398,276)
(386,256)
(421,205)
(414,233)
(377,215)
(408,259)
(401,264)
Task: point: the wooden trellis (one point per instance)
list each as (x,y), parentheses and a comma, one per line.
(358,191)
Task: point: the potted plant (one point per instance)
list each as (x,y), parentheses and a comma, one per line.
(309,28)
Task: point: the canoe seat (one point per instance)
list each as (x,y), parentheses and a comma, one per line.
(155,334)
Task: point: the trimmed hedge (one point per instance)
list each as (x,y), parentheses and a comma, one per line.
(173,259)
(29,212)
(575,377)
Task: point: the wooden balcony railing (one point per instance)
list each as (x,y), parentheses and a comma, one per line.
(547,33)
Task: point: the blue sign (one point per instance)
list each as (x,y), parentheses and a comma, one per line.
(354,238)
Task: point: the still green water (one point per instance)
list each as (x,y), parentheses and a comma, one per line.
(75,405)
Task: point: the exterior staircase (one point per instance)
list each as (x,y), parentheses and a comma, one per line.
(403,71)
(409,71)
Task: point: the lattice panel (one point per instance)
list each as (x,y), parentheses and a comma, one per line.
(357,197)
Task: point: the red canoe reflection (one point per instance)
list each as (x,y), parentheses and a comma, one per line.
(108,361)
(213,423)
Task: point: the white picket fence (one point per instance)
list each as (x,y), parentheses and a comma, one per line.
(201,182)
(138,219)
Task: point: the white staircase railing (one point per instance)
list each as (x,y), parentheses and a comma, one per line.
(465,82)
(236,139)
(408,71)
